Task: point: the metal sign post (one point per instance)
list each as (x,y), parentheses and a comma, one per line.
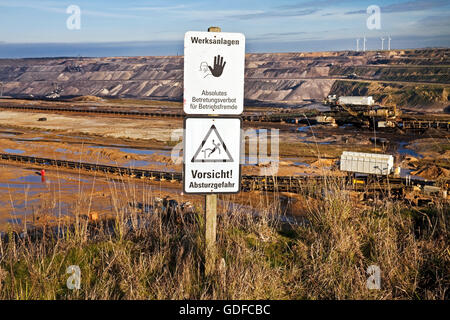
(213,85)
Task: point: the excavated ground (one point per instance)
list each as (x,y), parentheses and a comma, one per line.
(148,144)
(402,77)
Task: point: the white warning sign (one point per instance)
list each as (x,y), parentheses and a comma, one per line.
(212,155)
(214,65)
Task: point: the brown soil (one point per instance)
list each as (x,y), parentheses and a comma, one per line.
(103,126)
(432,172)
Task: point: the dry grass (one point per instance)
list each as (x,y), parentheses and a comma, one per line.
(150,254)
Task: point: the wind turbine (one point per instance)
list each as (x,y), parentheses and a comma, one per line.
(364,44)
(357,44)
(382,43)
(389,43)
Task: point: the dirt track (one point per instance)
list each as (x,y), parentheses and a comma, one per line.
(102,126)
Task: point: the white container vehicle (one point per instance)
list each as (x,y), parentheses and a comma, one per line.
(368,163)
(356,100)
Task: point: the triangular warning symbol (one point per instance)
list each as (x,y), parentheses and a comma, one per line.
(212,148)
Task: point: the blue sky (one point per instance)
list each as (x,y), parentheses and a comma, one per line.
(137,27)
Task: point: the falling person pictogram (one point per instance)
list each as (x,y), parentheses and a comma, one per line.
(210,149)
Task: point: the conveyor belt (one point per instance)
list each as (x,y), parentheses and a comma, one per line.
(296,184)
(407,124)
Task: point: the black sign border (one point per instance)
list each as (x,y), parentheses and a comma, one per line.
(184,153)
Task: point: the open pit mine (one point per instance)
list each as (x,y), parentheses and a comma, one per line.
(413,79)
(76,128)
